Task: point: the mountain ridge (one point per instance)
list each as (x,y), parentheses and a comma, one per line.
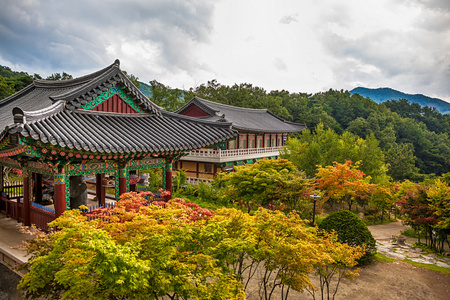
(385,94)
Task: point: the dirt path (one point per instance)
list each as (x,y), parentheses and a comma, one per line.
(394,281)
(397,280)
(386,231)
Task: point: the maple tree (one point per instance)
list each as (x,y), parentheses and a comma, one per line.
(415,206)
(324,146)
(342,259)
(268,182)
(150,250)
(438,196)
(383,197)
(342,182)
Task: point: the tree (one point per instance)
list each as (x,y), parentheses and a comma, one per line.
(134,79)
(325,146)
(401,161)
(59,76)
(438,196)
(342,182)
(415,206)
(5,89)
(382,197)
(430,116)
(170,99)
(342,259)
(274,182)
(177,250)
(290,252)
(140,252)
(351,230)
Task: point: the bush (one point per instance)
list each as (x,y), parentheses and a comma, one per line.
(351,230)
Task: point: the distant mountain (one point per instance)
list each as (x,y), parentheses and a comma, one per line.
(146,89)
(384,94)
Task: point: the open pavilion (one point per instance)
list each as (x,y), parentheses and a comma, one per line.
(96,124)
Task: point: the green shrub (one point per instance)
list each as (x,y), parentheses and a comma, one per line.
(180,180)
(351,230)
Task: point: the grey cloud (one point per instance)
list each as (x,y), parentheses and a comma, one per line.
(388,58)
(279,64)
(289,19)
(74,35)
(339,16)
(433,4)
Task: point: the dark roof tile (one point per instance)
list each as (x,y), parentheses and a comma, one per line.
(248,119)
(50,115)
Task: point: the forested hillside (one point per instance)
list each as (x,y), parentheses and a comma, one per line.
(11,82)
(414,140)
(387,94)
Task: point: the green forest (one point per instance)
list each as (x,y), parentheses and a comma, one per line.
(402,140)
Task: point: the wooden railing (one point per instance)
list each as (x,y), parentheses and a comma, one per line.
(11,205)
(232,152)
(41,216)
(12,208)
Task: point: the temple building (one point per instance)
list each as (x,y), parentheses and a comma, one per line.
(261,134)
(58,132)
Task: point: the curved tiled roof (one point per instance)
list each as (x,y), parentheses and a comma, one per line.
(76,92)
(101,132)
(247,119)
(47,111)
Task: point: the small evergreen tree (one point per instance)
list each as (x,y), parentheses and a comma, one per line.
(351,230)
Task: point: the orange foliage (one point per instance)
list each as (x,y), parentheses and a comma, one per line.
(342,181)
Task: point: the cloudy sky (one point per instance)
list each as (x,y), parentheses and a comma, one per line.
(300,46)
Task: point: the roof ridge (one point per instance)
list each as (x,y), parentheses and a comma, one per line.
(30,116)
(231,106)
(196,120)
(112,114)
(74,81)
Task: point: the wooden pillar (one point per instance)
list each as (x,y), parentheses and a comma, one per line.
(123,183)
(38,191)
(26,198)
(60,193)
(99,188)
(169,177)
(133,186)
(1,179)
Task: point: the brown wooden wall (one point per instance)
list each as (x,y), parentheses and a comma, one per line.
(194,111)
(115,104)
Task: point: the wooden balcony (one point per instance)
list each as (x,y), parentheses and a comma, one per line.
(220,156)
